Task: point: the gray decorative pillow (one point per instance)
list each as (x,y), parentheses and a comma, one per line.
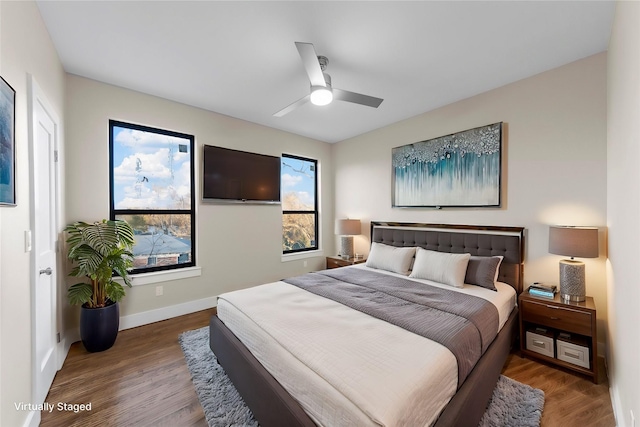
(390,258)
(483,271)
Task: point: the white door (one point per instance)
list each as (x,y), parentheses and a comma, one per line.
(44,208)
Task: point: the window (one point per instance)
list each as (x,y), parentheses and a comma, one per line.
(299,188)
(152,188)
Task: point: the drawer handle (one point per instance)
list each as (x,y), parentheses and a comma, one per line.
(538,343)
(575,356)
(554,318)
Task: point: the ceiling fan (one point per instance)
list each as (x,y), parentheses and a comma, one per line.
(322,93)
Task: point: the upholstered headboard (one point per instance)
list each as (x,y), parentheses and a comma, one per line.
(476,240)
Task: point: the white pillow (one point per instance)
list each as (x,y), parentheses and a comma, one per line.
(390,258)
(440,267)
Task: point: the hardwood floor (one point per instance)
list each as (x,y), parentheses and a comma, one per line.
(570,399)
(143,381)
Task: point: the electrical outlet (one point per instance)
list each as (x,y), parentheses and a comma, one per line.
(159,291)
(304,263)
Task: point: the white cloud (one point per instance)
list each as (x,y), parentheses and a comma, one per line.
(139,139)
(289,180)
(145,180)
(149,166)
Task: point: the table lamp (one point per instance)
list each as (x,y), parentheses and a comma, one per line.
(580,242)
(347,228)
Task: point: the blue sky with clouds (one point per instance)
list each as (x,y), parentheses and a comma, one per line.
(297,176)
(151,171)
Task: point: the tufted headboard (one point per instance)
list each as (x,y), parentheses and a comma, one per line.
(473,239)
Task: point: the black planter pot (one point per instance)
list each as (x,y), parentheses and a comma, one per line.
(99,327)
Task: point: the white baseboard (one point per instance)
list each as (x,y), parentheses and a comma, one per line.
(164,313)
(615,403)
(33,419)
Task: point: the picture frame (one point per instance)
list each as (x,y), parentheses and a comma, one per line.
(7,144)
(461,170)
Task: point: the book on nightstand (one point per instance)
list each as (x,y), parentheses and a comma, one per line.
(541,290)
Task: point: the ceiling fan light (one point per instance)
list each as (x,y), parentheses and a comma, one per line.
(321,96)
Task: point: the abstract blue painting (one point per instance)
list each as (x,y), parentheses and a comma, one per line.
(458,170)
(7,144)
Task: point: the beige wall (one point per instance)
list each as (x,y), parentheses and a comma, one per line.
(25,47)
(623,211)
(554,165)
(237,245)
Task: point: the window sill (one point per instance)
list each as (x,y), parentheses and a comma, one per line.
(302,255)
(162,276)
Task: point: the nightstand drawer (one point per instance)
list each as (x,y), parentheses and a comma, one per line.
(335,263)
(565,318)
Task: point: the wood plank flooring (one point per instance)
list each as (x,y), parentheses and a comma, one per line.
(143,381)
(570,399)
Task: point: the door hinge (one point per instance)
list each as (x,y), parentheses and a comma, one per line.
(55,155)
(58,337)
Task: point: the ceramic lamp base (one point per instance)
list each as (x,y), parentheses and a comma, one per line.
(346,247)
(572,283)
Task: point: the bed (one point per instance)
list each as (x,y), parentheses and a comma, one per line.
(323,378)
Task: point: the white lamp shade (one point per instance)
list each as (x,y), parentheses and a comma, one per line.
(347,227)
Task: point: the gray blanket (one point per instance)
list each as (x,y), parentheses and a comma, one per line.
(465,324)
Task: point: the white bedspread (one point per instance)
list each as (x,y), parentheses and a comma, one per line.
(344,367)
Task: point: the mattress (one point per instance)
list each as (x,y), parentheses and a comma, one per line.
(345,367)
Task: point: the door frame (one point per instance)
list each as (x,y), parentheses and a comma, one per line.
(36,95)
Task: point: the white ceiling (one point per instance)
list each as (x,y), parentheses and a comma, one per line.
(238,58)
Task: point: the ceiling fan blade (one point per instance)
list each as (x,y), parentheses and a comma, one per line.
(357,98)
(300,102)
(311,64)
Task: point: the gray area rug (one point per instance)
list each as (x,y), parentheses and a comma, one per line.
(513,404)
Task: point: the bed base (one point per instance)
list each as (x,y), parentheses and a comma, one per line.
(273,406)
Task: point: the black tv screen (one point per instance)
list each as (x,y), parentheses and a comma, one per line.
(239,176)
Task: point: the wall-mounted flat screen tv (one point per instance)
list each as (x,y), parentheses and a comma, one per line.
(233,176)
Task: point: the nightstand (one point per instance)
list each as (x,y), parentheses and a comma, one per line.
(336,261)
(560,333)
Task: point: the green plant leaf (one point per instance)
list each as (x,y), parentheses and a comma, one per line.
(80,293)
(114,291)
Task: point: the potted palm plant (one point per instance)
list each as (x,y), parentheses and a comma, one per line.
(98,250)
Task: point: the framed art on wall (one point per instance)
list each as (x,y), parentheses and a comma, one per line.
(459,170)
(7,144)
